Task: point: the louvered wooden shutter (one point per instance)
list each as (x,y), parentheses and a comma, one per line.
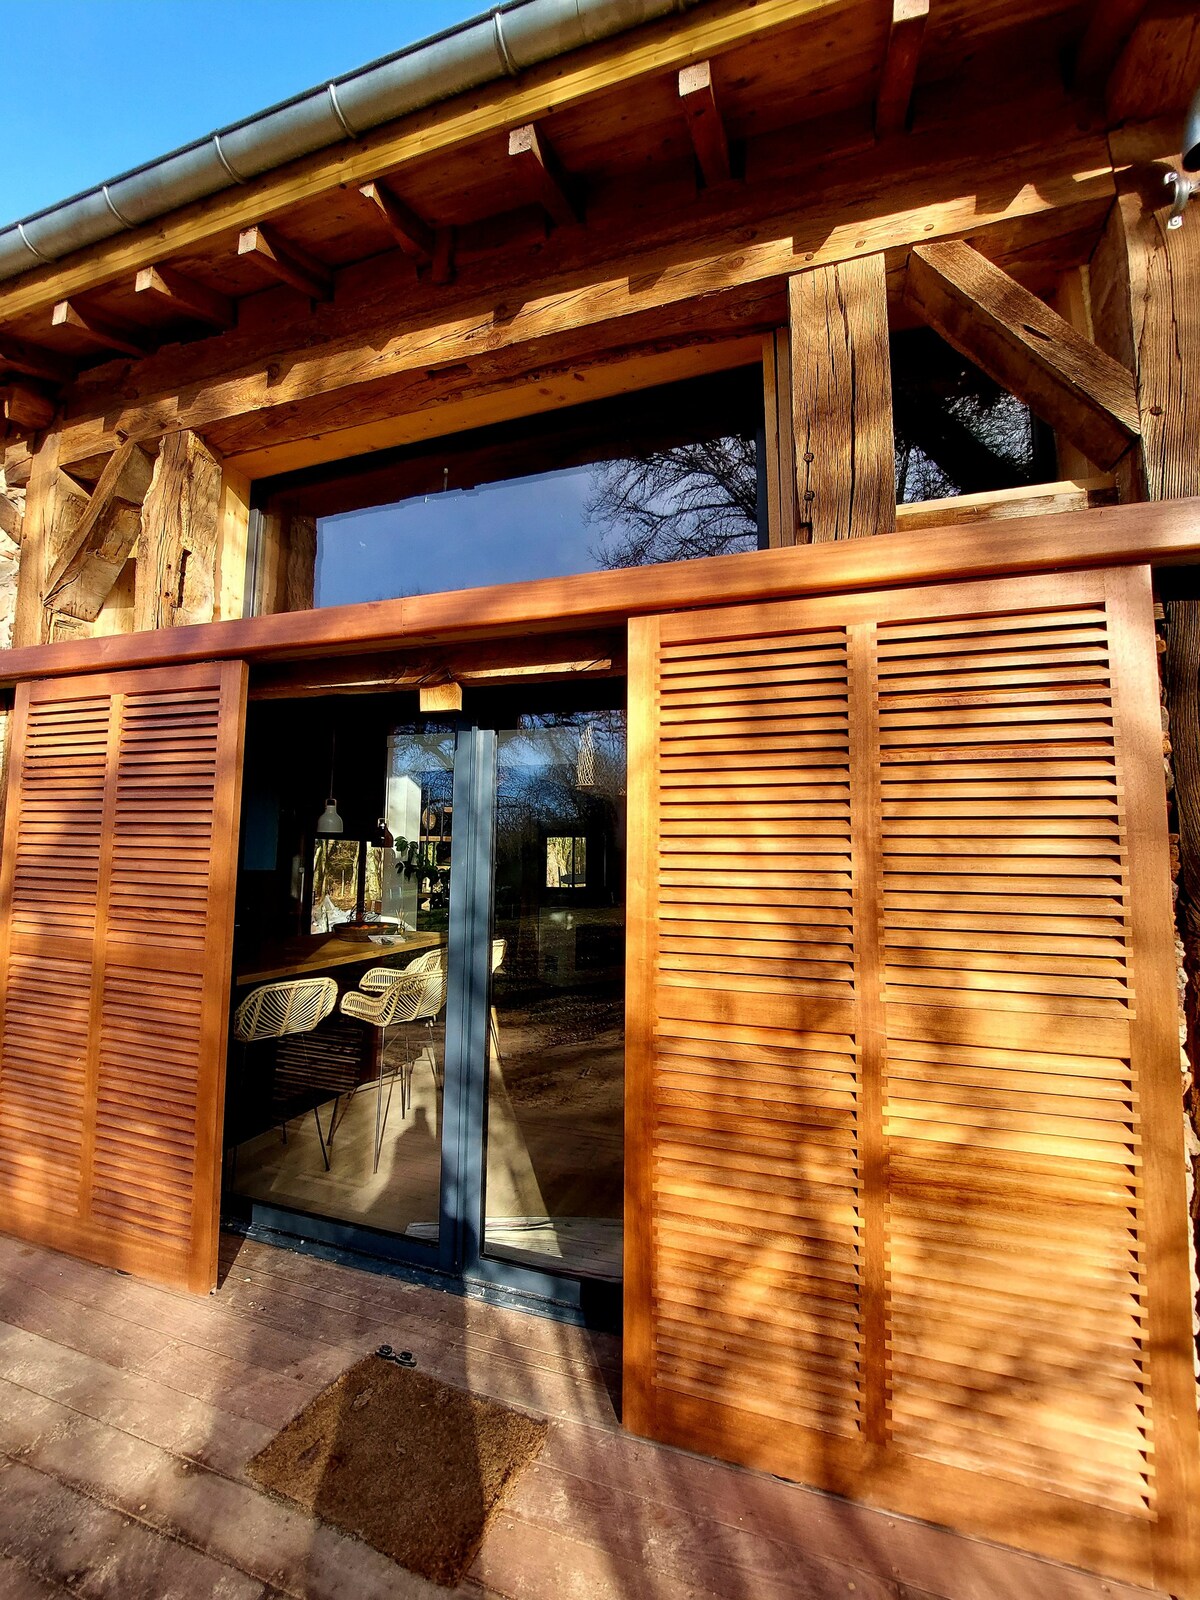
(906,1214)
(116,899)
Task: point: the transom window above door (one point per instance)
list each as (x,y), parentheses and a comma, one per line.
(666,474)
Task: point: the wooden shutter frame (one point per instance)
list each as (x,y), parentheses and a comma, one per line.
(195,1265)
(1162,1552)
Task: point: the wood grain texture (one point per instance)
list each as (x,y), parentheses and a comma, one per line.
(914,980)
(177,547)
(102,539)
(1024,345)
(1165,533)
(906,35)
(117,897)
(842,401)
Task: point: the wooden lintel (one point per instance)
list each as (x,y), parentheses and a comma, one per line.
(540,174)
(18,355)
(26,407)
(185,296)
(893,102)
(410,231)
(1166,533)
(105,330)
(286,261)
(103,537)
(705,124)
(1024,345)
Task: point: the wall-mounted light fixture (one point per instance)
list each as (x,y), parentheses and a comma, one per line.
(1183,184)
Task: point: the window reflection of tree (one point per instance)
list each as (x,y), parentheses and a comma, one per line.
(956,432)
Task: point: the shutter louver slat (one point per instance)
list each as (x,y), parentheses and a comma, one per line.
(905,1209)
(118,880)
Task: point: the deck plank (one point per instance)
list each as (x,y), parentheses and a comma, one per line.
(138,1407)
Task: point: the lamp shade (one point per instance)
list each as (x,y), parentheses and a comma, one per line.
(329,822)
(1190,155)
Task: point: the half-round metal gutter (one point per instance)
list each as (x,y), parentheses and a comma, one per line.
(502,43)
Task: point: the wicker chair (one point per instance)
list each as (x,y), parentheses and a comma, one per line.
(409,997)
(280,1010)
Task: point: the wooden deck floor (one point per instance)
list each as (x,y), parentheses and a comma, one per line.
(127,1414)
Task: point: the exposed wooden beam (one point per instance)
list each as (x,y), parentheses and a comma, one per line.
(32,361)
(445,266)
(1163,534)
(632,59)
(11,518)
(288,262)
(704,123)
(845,455)
(26,407)
(103,329)
(436,698)
(185,296)
(1107,32)
(1024,345)
(101,541)
(540,174)
(411,232)
(905,37)
(1157,71)
(180,529)
(1030,500)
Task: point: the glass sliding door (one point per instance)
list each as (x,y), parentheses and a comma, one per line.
(554,1167)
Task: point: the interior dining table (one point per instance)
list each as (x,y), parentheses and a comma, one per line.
(309,954)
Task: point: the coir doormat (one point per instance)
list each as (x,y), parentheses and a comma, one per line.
(402,1461)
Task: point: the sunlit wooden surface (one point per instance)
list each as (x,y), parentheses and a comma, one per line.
(128,1413)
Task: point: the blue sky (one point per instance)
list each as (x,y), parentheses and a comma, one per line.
(108,84)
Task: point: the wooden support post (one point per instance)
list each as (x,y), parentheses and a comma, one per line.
(32,361)
(842,401)
(53,505)
(90,562)
(186,297)
(26,407)
(177,548)
(445,245)
(105,330)
(540,173)
(905,37)
(286,261)
(1022,344)
(780,452)
(411,232)
(232,546)
(1145,281)
(704,123)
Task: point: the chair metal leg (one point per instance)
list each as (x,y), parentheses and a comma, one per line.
(381,1110)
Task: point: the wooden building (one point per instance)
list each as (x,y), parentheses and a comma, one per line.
(873,308)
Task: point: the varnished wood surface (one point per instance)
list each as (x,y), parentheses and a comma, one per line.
(128,1413)
(908,1158)
(116,929)
(297,958)
(1163,533)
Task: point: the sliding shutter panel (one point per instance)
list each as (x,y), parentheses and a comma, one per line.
(906,1214)
(116,890)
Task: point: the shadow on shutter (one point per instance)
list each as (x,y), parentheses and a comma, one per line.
(116,894)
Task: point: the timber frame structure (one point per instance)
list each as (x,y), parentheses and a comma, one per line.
(955,1111)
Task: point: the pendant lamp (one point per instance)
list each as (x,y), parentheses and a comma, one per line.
(329,823)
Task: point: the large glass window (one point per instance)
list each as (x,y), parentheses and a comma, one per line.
(664,475)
